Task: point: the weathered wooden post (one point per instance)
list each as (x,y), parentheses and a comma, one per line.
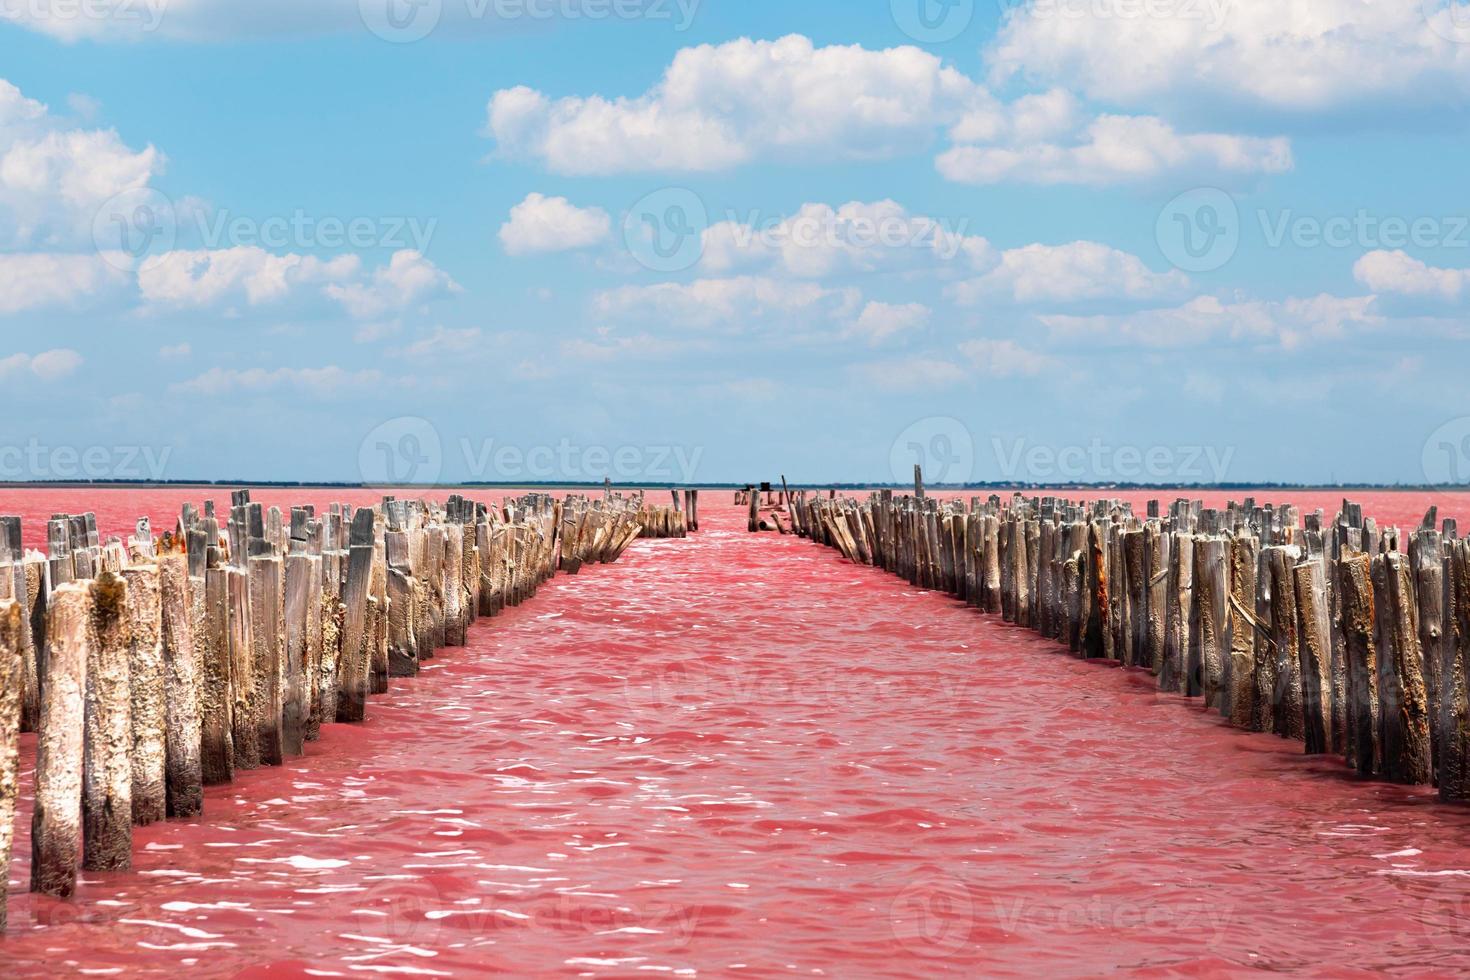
(1180,616)
(356,655)
(296,700)
(1289,722)
(1212,605)
(1314,638)
(12,674)
(56,823)
(217,749)
(1355,583)
(1454,705)
(1426,557)
(107,773)
(146,682)
(1403,708)
(183,774)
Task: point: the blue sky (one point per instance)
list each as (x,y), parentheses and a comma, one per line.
(1153,240)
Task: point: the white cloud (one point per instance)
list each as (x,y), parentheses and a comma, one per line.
(316,381)
(552,224)
(443,342)
(880,321)
(857,237)
(33,281)
(1396,272)
(1296,55)
(51,365)
(720,105)
(1041,274)
(407,280)
(54,180)
(245,274)
(1004,358)
(1207,319)
(739,305)
(175,351)
(1118,149)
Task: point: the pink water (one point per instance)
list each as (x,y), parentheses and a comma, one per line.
(739,754)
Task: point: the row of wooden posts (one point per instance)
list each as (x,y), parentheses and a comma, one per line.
(1346,636)
(153,668)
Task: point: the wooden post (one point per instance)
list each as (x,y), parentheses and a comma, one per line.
(1426,557)
(1403,708)
(217,749)
(1314,638)
(1355,583)
(296,699)
(244,710)
(107,775)
(1454,705)
(12,673)
(1244,561)
(1213,603)
(184,776)
(146,680)
(1180,619)
(1289,722)
(1157,544)
(356,656)
(56,822)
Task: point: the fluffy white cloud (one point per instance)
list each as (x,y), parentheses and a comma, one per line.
(880,321)
(1396,272)
(1042,274)
(407,280)
(1118,149)
(737,305)
(720,105)
(321,381)
(196,279)
(33,281)
(51,365)
(858,237)
(1004,358)
(54,180)
(1208,319)
(553,224)
(1299,55)
(252,277)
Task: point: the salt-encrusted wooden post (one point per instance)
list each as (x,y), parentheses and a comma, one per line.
(217,749)
(1180,615)
(1403,707)
(1135,563)
(1157,544)
(1314,638)
(146,681)
(1288,687)
(245,725)
(56,822)
(1214,643)
(454,625)
(1355,583)
(12,674)
(296,700)
(107,773)
(184,776)
(1426,557)
(1244,694)
(356,656)
(1098,640)
(269,632)
(1454,706)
